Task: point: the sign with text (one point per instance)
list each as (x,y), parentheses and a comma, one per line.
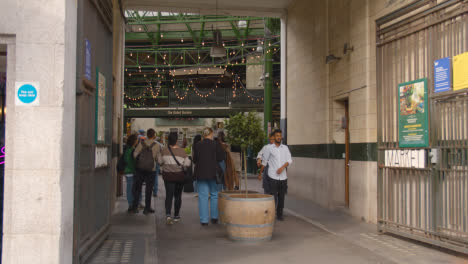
(442,75)
(27,93)
(87,59)
(100,108)
(460,71)
(413,114)
(405,158)
(179,112)
(100,157)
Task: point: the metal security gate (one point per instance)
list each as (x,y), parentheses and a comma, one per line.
(428,203)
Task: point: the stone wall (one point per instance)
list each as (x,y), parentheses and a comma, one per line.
(316,96)
(39,168)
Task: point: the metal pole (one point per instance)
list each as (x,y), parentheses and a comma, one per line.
(267,110)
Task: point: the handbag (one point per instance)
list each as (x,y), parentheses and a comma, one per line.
(186,173)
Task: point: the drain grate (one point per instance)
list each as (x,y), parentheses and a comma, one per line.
(115,251)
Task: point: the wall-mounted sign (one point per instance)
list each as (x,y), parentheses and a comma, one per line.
(100,108)
(101,157)
(460,71)
(442,75)
(413,114)
(405,158)
(27,93)
(87,59)
(179,112)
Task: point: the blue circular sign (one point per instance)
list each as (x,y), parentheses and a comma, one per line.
(27,93)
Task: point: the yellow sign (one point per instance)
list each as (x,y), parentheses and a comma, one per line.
(460,71)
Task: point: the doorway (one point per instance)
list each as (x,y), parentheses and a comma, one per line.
(346,127)
(3,75)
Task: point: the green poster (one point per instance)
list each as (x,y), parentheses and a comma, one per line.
(413,114)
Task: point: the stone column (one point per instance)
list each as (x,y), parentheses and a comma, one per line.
(40,140)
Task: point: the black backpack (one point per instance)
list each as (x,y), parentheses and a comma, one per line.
(121,163)
(145,160)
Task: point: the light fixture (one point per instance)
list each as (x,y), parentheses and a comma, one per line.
(259,46)
(347,48)
(331,58)
(217,50)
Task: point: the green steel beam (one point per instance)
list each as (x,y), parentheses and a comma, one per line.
(246,32)
(268,93)
(236,31)
(175,20)
(202,34)
(227,33)
(150,35)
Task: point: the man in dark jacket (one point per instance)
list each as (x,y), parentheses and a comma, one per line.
(207,155)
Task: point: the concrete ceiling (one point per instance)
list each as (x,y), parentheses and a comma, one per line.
(266,8)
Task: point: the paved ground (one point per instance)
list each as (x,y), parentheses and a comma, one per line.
(309,234)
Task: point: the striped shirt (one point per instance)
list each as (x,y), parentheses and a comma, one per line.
(167,162)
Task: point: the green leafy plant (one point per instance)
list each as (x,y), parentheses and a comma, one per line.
(244,130)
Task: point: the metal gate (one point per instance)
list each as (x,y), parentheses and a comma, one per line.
(430,203)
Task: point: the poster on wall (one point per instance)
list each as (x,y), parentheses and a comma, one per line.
(442,75)
(413,114)
(460,71)
(100,108)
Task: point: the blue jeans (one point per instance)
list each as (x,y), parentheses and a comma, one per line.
(206,187)
(155,189)
(129,190)
(222,165)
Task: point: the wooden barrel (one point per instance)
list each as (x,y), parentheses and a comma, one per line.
(222,201)
(251,218)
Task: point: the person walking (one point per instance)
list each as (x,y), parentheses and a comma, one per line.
(174,162)
(278,158)
(196,139)
(207,155)
(129,171)
(158,169)
(146,154)
(231,179)
(264,170)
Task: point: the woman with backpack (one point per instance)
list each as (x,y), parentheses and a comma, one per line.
(129,170)
(174,162)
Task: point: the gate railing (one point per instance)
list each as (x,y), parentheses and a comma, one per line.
(429,203)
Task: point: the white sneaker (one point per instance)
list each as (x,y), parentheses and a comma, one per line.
(169,220)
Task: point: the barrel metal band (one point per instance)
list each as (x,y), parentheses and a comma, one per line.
(250,239)
(250,226)
(250,199)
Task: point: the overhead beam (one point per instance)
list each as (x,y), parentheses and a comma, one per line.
(129,36)
(199,20)
(236,31)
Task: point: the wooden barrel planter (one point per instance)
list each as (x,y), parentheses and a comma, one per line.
(222,202)
(249,218)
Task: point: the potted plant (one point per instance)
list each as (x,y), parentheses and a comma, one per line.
(247,216)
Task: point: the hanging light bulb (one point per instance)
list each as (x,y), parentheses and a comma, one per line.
(182,40)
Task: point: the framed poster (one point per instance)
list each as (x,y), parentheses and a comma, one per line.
(442,75)
(413,114)
(100,108)
(460,71)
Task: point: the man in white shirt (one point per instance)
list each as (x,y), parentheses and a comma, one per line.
(278,158)
(264,170)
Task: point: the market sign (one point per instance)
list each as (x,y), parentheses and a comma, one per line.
(413,114)
(407,158)
(460,71)
(442,75)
